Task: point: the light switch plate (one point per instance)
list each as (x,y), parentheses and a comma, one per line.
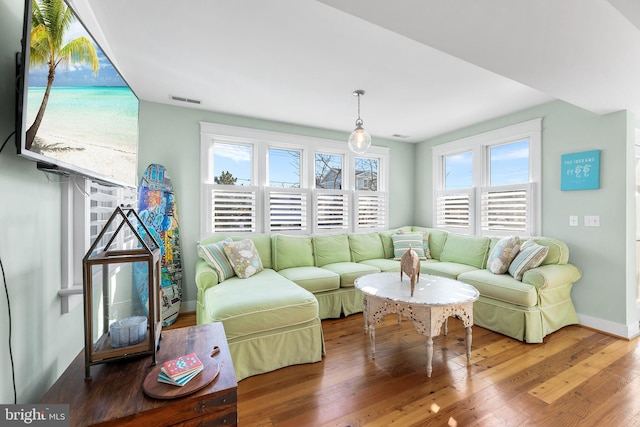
(573,220)
(592,221)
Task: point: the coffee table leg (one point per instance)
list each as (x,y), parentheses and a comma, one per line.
(468,339)
(429,355)
(372,338)
(365,313)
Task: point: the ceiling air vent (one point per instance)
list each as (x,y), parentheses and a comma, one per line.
(183,99)
(397,135)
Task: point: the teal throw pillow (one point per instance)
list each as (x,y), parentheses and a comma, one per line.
(403,242)
(530,256)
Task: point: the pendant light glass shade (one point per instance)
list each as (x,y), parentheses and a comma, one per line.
(359,140)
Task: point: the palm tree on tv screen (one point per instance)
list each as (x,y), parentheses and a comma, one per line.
(50,19)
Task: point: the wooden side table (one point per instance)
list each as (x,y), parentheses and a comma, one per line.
(115,396)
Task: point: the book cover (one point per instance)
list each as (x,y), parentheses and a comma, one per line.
(182,365)
(179,381)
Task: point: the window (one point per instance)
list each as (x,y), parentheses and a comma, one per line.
(366,174)
(328,171)
(261,181)
(232,164)
(284,168)
(488,184)
(234,204)
(458,170)
(86,207)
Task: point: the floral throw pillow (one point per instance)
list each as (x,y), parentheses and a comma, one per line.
(503,254)
(244,257)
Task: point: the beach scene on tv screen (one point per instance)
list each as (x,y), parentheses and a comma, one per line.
(90,119)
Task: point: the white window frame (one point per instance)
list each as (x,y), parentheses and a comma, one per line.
(262,141)
(77,222)
(479,145)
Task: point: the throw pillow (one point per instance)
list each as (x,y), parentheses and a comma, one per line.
(502,254)
(530,256)
(425,244)
(402,243)
(215,256)
(244,257)
(425,241)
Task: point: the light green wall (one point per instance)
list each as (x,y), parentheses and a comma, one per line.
(43,341)
(606,255)
(170,136)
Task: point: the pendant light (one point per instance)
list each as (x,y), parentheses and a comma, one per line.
(359,140)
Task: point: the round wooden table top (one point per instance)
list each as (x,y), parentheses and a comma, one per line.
(429,290)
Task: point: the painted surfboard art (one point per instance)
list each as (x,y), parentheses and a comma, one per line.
(158,210)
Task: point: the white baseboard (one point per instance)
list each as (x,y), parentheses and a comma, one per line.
(618,329)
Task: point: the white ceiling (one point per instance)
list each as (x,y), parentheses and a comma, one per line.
(427,66)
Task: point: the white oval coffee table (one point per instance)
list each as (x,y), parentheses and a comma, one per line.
(435,299)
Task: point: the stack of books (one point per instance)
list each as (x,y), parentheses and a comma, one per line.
(180,370)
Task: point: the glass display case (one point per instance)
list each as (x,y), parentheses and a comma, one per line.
(121,292)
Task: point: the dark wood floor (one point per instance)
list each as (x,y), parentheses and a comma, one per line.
(577,377)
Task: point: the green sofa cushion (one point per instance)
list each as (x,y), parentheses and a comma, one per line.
(313,279)
(350,271)
(445,269)
(263,302)
(289,251)
(502,287)
(469,250)
(437,239)
(365,246)
(383,264)
(331,249)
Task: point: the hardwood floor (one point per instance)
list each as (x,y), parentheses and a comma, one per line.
(577,377)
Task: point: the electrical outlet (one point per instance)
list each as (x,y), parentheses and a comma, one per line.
(592,221)
(573,220)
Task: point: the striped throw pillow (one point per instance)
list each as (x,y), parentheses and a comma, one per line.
(215,256)
(402,243)
(530,256)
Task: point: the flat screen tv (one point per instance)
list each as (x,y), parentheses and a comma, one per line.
(75,114)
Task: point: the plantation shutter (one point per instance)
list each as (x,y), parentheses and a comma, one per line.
(332,209)
(506,210)
(454,210)
(371,210)
(287,209)
(233,208)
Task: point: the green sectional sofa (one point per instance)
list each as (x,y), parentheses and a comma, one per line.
(272,319)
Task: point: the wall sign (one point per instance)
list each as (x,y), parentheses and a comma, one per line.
(580,171)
